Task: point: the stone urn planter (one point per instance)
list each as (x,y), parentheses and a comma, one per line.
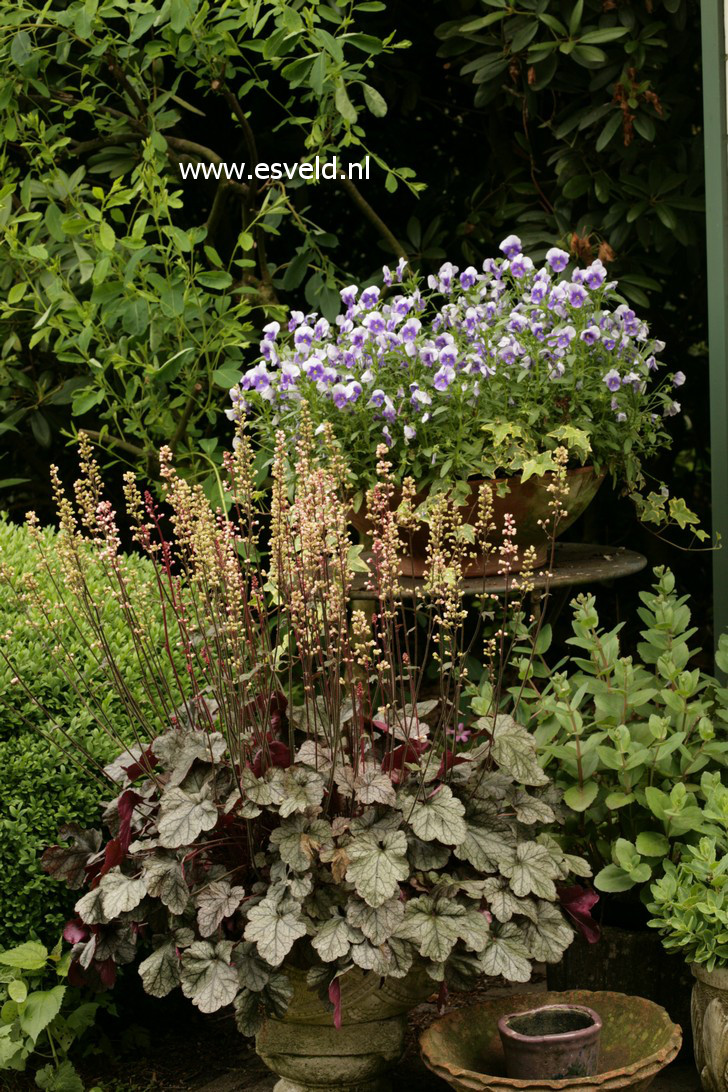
(527,502)
(310,1054)
(709,1010)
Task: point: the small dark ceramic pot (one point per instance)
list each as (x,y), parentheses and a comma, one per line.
(551,1043)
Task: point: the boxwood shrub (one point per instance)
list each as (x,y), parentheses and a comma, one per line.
(40,788)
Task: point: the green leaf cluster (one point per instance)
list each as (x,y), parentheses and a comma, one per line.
(40,1016)
(628,739)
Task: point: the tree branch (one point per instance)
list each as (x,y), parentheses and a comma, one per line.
(373,217)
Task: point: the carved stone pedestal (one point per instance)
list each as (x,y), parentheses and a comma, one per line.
(710,1027)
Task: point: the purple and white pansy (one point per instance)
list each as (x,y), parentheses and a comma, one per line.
(545,347)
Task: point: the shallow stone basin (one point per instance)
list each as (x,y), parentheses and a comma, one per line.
(638,1040)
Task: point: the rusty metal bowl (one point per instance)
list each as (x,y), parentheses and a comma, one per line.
(638,1040)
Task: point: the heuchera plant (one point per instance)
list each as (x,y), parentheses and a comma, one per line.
(690,901)
(294,795)
(627,738)
(476,374)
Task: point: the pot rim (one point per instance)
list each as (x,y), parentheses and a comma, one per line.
(591,1031)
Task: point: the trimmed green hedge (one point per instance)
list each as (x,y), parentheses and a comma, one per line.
(40,788)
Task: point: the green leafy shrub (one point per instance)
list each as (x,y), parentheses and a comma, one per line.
(41,1016)
(41,788)
(628,738)
(690,901)
(127,293)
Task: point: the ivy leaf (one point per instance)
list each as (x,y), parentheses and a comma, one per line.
(514,749)
(165,880)
(334,939)
(549,935)
(302,789)
(532,871)
(216,902)
(274,928)
(432,925)
(377,865)
(377,923)
(440,818)
(184,816)
(207,977)
(160,972)
(506,955)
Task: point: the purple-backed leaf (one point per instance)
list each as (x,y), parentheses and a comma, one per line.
(335,999)
(577,902)
(75,931)
(125,806)
(69,862)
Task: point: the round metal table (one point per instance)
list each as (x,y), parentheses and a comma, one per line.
(574,563)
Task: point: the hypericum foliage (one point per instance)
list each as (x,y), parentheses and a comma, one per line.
(487,373)
(690,901)
(293,793)
(628,738)
(41,1016)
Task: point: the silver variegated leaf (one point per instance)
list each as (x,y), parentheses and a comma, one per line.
(370,958)
(207,976)
(299,839)
(216,902)
(529,809)
(432,925)
(439,818)
(532,872)
(178,749)
(302,789)
(274,929)
(165,881)
(425,856)
(369,784)
(548,937)
(116,894)
(474,930)
(514,749)
(378,923)
(253,972)
(334,939)
(184,816)
(506,954)
(249,1014)
(485,848)
(160,972)
(377,865)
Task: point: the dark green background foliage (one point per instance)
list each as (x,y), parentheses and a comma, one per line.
(40,788)
(131,299)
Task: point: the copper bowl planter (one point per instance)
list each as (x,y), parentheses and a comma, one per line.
(551,1041)
(527,502)
(638,1039)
